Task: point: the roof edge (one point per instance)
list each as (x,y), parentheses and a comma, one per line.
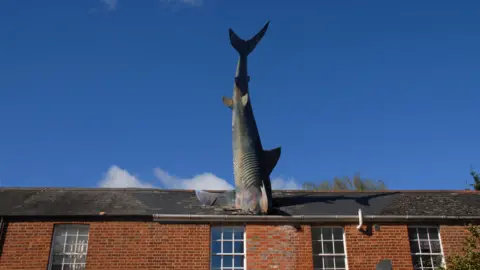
(275,190)
(304,218)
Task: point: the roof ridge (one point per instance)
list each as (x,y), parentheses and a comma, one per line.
(275,190)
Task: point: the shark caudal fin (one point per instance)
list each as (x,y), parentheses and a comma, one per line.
(245,47)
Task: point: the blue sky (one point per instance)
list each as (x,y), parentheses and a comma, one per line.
(125,93)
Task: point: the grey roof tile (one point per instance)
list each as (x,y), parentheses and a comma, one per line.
(132,201)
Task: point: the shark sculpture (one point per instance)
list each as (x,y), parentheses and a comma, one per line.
(252,164)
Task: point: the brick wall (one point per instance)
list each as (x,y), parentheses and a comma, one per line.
(149,245)
(113,245)
(26,246)
(133,245)
(365,250)
(281,247)
(453,238)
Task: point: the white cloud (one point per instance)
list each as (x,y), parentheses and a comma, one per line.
(193,2)
(119,178)
(111,4)
(185,2)
(280,183)
(205,181)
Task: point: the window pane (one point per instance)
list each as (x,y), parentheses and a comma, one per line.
(327,247)
(316,233)
(227,233)
(68,259)
(317,247)
(327,233)
(328,260)
(437,260)
(57,248)
(338,245)
(238,234)
(338,233)
(416,261)
(435,244)
(433,233)
(414,247)
(426,261)
(228,261)
(216,247)
(83,230)
(71,239)
(81,259)
(69,247)
(412,233)
(238,247)
(216,233)
(238,261)
(340,261)
(317,262)
(422,233)
(57,259)
(217,261)
(227,247)
(424,246)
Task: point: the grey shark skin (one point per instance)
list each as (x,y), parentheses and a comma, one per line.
(252,164)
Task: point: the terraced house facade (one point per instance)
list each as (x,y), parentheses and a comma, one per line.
(169,229)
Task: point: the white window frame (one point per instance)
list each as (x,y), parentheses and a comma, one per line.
(58,229)
(416,227)
(244,254)
(331,254)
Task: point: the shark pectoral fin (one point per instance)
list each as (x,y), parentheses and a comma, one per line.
(228,102)
(221,199)
(245,100)
(264,204)
(270,159)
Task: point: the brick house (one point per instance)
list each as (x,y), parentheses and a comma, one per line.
(51,228)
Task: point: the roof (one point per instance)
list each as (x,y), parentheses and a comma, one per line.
(27,202)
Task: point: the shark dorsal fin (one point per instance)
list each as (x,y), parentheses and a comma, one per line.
(228,102)
(270,159)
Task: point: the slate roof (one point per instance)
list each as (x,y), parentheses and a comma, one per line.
(138,202)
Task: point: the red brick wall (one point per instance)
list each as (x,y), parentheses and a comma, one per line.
(114,245)
(133,245)
(391,242)
(148,245)
(279,247)
(26,246)
(452,239)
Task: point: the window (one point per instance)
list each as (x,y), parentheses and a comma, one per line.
(328,248)
(69,247)
(425,247)
(228,248)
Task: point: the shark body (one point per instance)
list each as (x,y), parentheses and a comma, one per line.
(251,163)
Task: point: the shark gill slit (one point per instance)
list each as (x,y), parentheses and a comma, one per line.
(248,169)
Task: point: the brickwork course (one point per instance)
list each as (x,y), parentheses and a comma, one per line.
(134,229)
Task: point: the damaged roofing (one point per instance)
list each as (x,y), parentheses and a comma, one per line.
(142,202)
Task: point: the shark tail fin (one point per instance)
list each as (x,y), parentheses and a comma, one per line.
(245,47)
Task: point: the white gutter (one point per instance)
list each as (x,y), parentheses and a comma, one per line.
(303,218)
(360,219)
